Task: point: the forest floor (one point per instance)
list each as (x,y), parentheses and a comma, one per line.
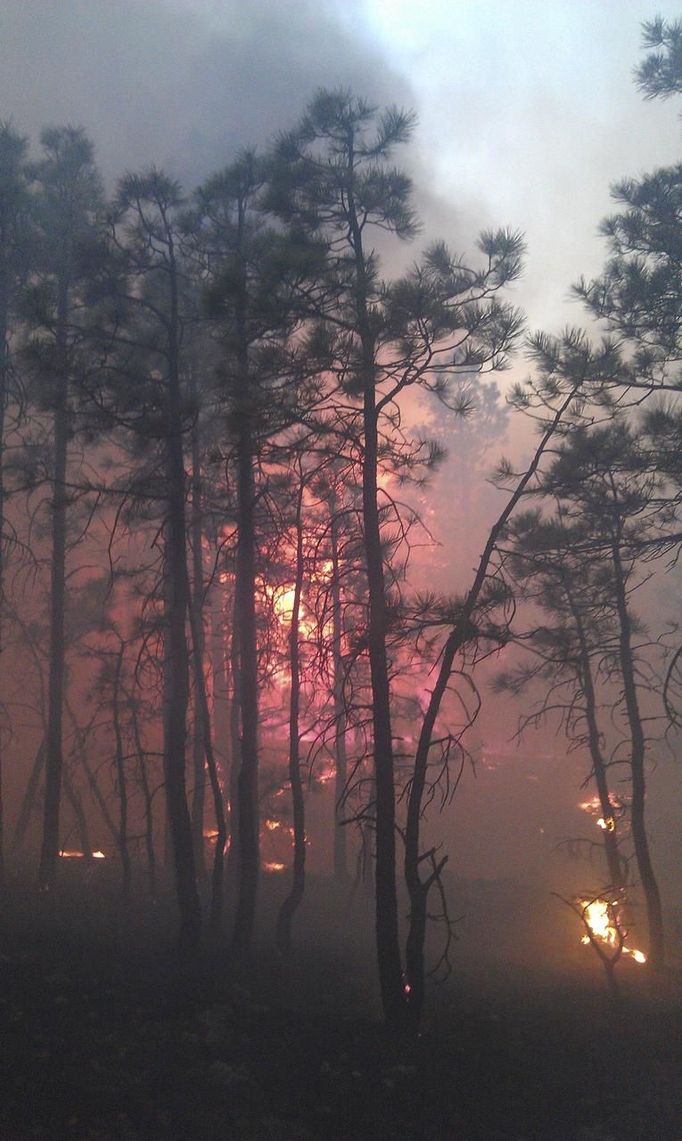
(104,1038)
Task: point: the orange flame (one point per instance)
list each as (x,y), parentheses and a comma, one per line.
(601,917)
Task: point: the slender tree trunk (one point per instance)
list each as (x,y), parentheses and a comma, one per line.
(245,621)
(4,375)
(295,896)
(235,759)
(419,888)
(148,805)
(387,933)
(29,798)
(99,799)
(176,656)
(613,860)
(245,626)
(47,871)
(340,755)
(121,778)
(637,760)
(198,640)
(81,819)
(218,871)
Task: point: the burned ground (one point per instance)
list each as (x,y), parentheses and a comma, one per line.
(106,1036)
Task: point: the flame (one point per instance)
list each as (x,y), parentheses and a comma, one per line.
(598,916)
(74,854)
(602,918)
(607,823)
(283,603)
(273,866)
(272,825)
(593,808)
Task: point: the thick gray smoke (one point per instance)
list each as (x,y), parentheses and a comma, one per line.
(183,85)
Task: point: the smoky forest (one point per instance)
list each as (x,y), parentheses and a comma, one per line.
(339,749)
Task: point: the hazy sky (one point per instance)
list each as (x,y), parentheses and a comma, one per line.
(527,110)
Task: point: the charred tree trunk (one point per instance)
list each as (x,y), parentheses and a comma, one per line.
(176,656)
(599,768)
(28,802)
(247,672)
(419,888)
(198,640)
(235,760)
(121,778)
(340,754)
(47,871)
(148,803)
(4,376)
(81,820)
(637,760)
(218,871)
(245,622)
(295,896)
(387,934)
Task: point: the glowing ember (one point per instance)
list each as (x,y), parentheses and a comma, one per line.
(603,920)
(273,866)
(593,807)
(607,824)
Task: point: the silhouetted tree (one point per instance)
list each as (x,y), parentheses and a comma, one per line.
(67,197)
(14,213)
(147,213)
(252,272)
(332,174)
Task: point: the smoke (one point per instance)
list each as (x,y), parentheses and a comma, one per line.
(179,83)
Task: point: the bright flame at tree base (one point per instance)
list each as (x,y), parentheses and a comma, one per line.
(72,854)
(602,919)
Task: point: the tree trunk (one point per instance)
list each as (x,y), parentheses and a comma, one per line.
(81,819)
(235,760)
(148,804)
(4,373)
(613,860)
(245,626)
(198,641)
(388,940)
(247,687)
(218,873)
(121,776)
(340,754)
(637,759)
(293,900)
(176,665)
(54,762)
(29,798)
